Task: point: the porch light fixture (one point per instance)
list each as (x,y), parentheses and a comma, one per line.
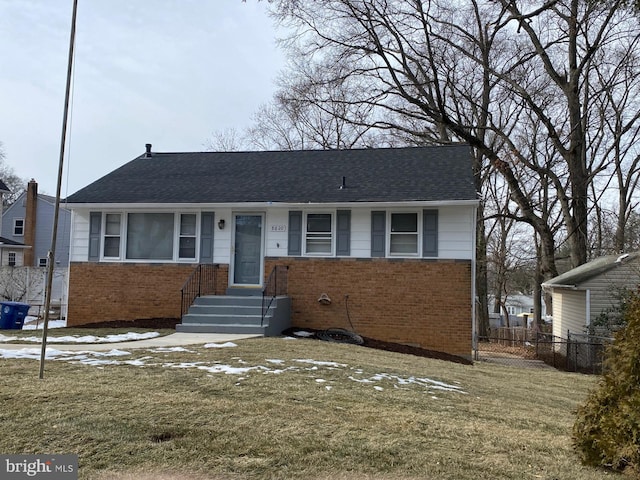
(221,224)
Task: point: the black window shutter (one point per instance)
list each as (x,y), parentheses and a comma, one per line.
(343,236)
(378,234)
(95,224)
(295,233)
(430,233)
(207,229)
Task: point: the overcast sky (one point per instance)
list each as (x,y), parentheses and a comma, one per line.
(165,72)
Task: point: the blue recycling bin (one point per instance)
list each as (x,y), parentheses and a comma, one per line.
(12,315)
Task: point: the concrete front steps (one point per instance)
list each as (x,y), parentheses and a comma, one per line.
(239,314)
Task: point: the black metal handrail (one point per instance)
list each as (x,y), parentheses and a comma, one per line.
(202,281)
(277,284)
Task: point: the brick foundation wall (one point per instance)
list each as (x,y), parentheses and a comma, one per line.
(101,292)
(416,302)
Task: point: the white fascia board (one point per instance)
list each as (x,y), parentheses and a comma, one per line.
(551,286)
(262,205)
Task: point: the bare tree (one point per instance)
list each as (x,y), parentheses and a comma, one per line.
(421,68)
(227,140)
(615,139)
(311,111)
(16,184)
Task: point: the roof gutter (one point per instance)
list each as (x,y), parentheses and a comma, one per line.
(550,286)
(254,205)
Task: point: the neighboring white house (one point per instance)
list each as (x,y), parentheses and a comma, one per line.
(520,309)
(580,295)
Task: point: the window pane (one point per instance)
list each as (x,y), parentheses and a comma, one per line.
(187,247)
(404,243)
(404,222)
(112,222)
(319,222)
(112,246)
(318,245)
(150,236)
(188,224)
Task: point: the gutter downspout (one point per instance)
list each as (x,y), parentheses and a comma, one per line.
(474,300)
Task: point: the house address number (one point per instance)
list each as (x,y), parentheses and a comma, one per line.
(278,228)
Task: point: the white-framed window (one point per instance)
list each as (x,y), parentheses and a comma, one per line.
(112,234)
(187,231)
(149,236)
(511,309)
(11,259)
(42,261)
(319,234)
(18,227)
(404,233)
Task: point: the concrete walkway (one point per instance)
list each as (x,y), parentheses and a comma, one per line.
(174,340)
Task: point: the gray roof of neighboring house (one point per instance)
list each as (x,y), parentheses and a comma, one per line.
(581,274)
(4,188)
(438,173)
(11,243)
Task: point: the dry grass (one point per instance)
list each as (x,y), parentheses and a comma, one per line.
(309,421)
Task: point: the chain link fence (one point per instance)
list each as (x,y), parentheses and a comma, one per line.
(525,347)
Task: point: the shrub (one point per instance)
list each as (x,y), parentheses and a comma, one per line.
(607,428)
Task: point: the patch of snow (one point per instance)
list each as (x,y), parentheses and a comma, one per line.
(220,345)
(33,323)
(323,364)
(122,337)
(99,359)
(170,349)
(302,333)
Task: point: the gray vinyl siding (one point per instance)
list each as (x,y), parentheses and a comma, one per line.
(44,227)
(605,287)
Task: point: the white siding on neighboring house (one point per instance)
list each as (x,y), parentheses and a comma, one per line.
(18,255)
(569,311)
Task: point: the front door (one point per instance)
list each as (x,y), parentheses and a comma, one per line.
(247,253)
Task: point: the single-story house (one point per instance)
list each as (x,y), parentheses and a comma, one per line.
(381,241)
(582,294)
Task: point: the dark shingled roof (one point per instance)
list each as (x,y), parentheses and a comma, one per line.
(4,188)
(439,173)
(11,243)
